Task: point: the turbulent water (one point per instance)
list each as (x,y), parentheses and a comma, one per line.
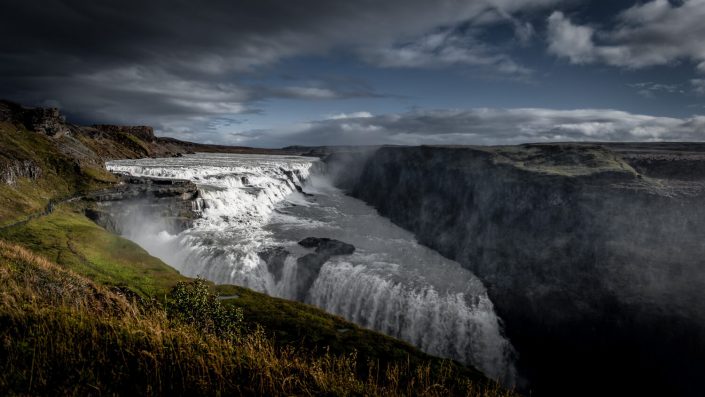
(255,208)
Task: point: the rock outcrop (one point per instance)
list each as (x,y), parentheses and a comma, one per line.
(309,265)
(595,268)
(326,247)
(48,121)
(12,170)
(274,258)
(171,201)
(142,132)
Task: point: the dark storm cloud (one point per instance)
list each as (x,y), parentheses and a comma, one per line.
(486,126)
(195,69)
(145,61)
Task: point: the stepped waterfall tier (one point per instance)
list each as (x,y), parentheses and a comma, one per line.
(260,219)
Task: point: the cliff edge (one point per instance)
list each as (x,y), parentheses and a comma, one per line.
(592,256)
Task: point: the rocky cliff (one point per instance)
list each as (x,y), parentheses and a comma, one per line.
(595,267)
(171,201)
(142,132)
(14,169)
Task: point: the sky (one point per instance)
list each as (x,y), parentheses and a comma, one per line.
(271,73)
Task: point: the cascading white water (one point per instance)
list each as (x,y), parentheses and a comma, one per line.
(251,206)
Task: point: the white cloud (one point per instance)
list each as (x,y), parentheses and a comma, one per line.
(524,31)
(650,89)
(310,92)
(698,86)
(652,33)
(443,48)
(490,126)
(353,115)
(569,40)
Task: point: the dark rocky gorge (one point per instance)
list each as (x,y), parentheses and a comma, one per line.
(595,265)
(309,265)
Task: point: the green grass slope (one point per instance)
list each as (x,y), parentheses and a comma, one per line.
(63,334)
(60,175)
(70,239)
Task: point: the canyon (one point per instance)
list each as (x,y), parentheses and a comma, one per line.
(553,267)
(274,224)
(592,254)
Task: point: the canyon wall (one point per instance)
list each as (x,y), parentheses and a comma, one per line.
(595,268)
(171,202)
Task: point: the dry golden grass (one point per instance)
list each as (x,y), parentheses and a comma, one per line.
(61,334)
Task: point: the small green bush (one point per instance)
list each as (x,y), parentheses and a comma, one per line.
(191,303)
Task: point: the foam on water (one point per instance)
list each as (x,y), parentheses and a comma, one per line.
(252,204)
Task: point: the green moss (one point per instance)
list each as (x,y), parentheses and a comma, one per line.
(75,242)
(569,160)
(23,198)
(131,144)
(98,177)
(61,176)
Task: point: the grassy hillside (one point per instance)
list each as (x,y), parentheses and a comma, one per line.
(57,176)
(570,160)
(69,238)
(66,335)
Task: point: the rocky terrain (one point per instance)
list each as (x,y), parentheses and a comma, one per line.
(309,265)
(172,201)
(592,254)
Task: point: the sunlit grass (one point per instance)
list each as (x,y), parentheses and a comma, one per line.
(61,176)
(62,334)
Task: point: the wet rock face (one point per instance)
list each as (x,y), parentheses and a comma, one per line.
(327,247)
(309,265)
(275,258)
(11,170)
(598,276)
(172,201)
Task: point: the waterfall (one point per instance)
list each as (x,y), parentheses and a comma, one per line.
(256,208)
(456,325)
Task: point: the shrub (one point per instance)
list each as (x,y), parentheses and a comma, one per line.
(191,303)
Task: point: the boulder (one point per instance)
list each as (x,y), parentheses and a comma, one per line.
(309,265)
(327,246)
